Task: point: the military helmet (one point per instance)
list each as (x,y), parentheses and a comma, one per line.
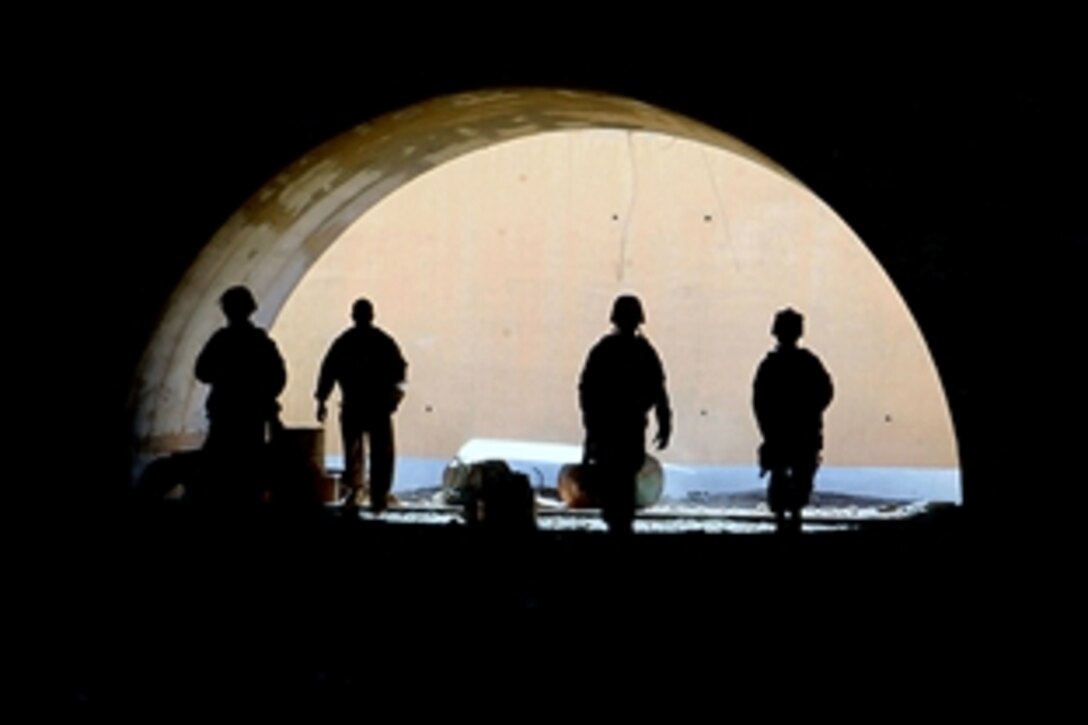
(362,311)
(238,303)
(788,323)
(627,312)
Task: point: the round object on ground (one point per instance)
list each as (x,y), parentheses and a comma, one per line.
(649,485)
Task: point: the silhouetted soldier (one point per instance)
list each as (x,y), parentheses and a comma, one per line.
(790,393)
(369,368)
(246,373)
(622,380)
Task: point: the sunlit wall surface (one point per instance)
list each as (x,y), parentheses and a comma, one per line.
(496,272)
(493,229)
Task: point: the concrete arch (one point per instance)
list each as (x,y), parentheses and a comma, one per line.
(280,233)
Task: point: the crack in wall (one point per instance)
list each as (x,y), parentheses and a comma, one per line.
(726,233)
(621,271)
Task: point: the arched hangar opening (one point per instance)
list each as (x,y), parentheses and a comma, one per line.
(492,231)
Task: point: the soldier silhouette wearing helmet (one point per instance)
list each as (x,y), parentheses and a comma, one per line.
(622,380)
(368,366)
(790,393)
(246,373)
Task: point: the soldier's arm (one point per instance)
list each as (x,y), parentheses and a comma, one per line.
(662,407)
(587,402)
(401,367)
(277,380)
(759,398)
(825,389)
(326,378)
(664,421)
(830,391)
(207,361)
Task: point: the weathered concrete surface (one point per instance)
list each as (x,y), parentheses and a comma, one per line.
(496,271)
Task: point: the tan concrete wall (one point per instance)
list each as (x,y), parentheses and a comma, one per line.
(496,272)
(289,223)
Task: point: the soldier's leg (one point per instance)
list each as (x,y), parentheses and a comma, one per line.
(621,476)
(382,457)
(777,497)
(795,520)
(804,476)
(615,511)
(235,449)
(352,438)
